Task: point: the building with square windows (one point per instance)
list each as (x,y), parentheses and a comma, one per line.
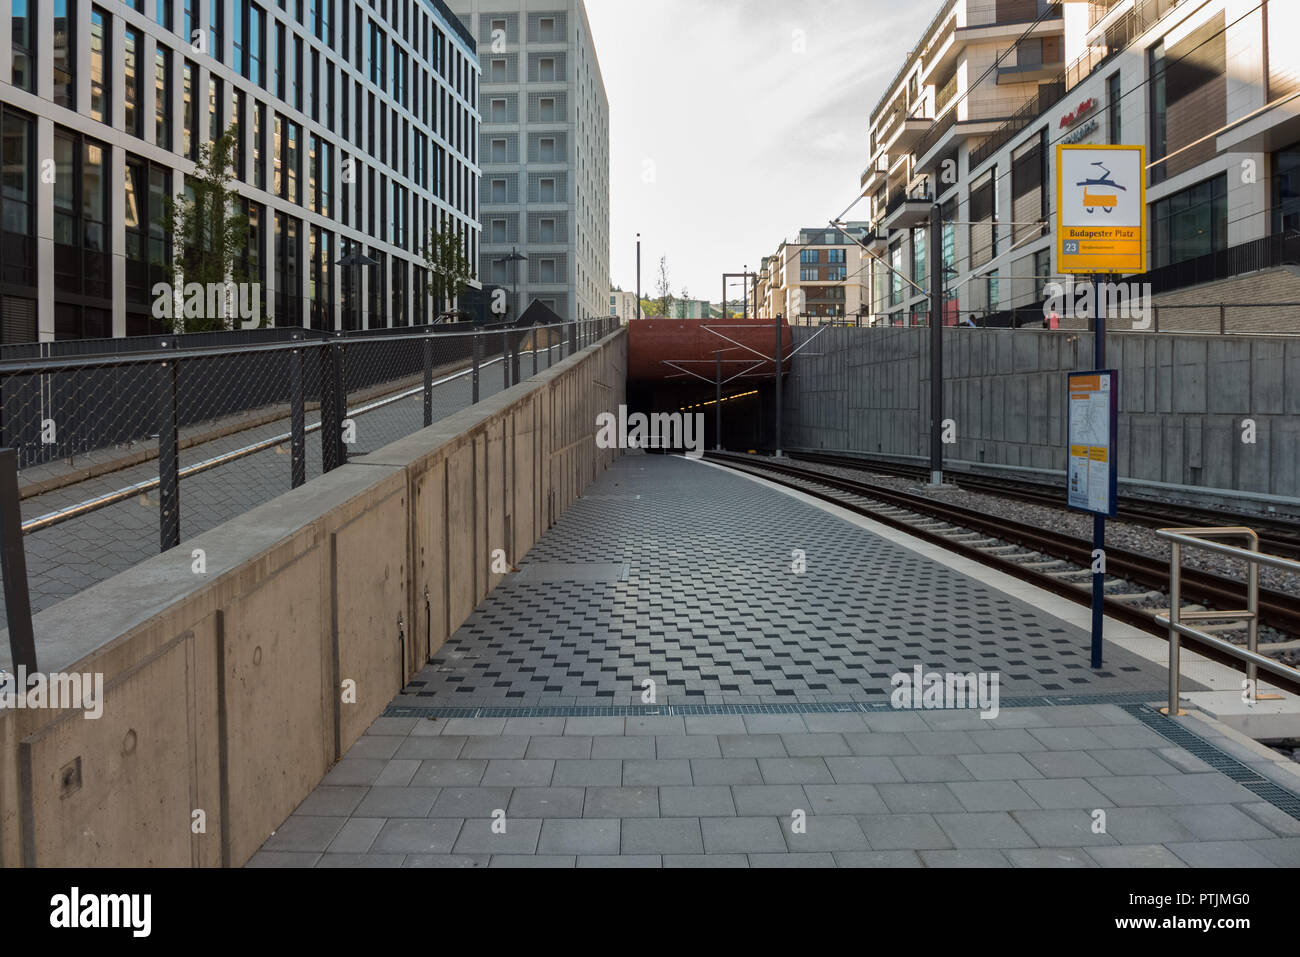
(544,153)
(357,133)
(818,276)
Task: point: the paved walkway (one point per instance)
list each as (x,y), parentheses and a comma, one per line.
(772,740)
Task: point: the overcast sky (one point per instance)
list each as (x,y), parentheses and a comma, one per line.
(725,137)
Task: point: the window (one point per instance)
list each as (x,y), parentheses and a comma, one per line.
(133,95)
(190,112)
(547,149)
(65,83)
(546,190)
(1113,116)
(810,256)
(546,232)
(288,270)
(1286,190)
(214,108)
(995,302)
(191,16)
(216,13)
(162,101)
(497,71)
(498,194)
(1042,272)
(547,109)
(919,260)
(17,205)
(162,13)
(808,275)
(896,275)
(1190,223)
(498,111)
(498,151)
(498,228)
(546,69)
(81,259)
(546,271)
(99,88)
(546,30)
(23,28)
(259,144)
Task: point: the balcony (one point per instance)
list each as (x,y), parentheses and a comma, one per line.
(872,174)
(1030,72)
(908,208)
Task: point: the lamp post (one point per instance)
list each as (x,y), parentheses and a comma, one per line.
(515,258)
(356,260)
(638,275)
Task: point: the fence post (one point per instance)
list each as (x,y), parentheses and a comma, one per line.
(573,338)
(169,464)
(534,353)
(333,452)
(478,359)
(13,565)
(514,362)
(297,421)
(505,357)
(428,382)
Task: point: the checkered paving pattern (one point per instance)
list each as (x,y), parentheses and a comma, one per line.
(713,613)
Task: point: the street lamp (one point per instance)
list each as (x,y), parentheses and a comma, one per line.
(638,275)
(356,259)
(514,259)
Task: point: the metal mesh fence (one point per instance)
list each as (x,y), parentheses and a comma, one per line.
(120,456)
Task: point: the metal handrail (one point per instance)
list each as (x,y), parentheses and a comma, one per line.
(1202,538)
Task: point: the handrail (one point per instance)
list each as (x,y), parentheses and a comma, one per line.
(1202,538)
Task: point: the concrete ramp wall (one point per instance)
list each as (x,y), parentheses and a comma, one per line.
(1184,401)
(229,694)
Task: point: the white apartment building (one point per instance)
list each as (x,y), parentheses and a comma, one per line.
(545,154)
(974,117)
(622,304)
(821,275)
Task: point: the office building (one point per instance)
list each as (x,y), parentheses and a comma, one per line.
(357,132)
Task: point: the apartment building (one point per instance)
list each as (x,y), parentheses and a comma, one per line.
(622,304)
(545,154)
(819,275)
(973,119)
(358,132)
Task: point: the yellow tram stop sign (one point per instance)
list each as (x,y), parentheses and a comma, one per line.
(1101,209)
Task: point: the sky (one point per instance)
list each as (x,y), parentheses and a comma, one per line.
(735,123)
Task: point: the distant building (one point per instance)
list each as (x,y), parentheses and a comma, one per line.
(545,153)
(622,304)
(688,309)
(819,275)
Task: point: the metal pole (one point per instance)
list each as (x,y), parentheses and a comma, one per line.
(638,275)
(1099,521)
(780,365)
(169,466)
(1252,605)
(428,382)
(505,357)
(13,565)
(297,420)
(936,346)
(717,410)
(478,360)
(1175,603)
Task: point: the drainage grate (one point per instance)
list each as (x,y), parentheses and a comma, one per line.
(670,710)
(1221,761)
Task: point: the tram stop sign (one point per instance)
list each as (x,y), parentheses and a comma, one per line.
(1101,209)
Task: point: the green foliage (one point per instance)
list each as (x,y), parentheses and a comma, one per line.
(450,272)
(209,232)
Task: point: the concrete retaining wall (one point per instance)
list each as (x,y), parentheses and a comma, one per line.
(1183,400)
(228,693)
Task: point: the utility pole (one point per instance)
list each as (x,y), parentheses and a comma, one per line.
(638,275)
(780,365)
(1098,520)
(936,346)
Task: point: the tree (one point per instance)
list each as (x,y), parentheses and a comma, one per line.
(450,272)
(209,241)
(664,288)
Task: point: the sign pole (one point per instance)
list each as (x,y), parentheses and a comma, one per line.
(1099,520)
